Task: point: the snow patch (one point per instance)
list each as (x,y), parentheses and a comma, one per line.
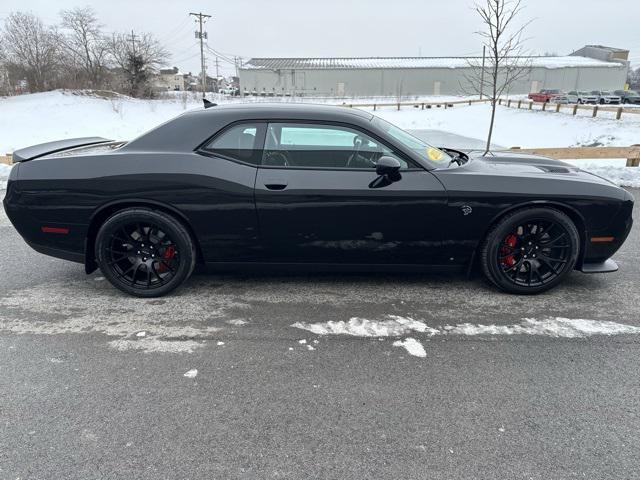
(395,326)
(156,345)
(551,327)
(28,311)
(238,322)
(191,373)
(411,345)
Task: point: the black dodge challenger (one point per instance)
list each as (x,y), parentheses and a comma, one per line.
(308,187)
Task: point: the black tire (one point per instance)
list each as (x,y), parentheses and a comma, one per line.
(530,250)
(145,252)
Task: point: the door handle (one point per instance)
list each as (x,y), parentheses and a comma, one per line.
(275,184)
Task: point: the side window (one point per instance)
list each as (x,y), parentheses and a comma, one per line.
(240,142)
(322,146)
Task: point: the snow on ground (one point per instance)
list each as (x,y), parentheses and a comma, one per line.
(395,326)
(411,345)
(30,119)
(520,128)
(4,174)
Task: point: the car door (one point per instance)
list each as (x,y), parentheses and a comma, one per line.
(221,200)
(319,199)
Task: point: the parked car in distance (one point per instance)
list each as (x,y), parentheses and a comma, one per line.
(606,97)
(629,96)
(565,98)
(585,97)
(229,90)
(544,95)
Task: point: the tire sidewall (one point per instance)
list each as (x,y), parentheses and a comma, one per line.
(172,227)
(503,228)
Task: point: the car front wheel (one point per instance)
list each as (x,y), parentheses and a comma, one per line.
(530,250)
(145,252)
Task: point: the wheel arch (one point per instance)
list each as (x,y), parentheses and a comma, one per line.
(571,212)
(101,214)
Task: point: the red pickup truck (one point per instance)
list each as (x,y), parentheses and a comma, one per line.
(544,95)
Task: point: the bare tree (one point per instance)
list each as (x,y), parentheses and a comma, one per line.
(138,57)
(85,45)
(506,62)
(32,48)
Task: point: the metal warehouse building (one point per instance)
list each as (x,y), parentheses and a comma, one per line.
(590,68)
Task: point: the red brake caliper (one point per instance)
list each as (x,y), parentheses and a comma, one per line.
(507,249)
(167,256)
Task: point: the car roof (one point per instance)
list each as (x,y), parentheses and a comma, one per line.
(268,109)
(191,128)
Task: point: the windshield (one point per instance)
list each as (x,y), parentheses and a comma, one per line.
(423,149)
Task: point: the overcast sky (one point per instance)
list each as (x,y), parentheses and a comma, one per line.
(334,28)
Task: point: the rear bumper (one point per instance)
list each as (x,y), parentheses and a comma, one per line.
(57,252)
(601,267)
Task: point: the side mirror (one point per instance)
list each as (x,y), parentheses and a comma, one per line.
(388,167)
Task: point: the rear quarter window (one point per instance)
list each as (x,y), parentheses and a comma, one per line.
(241,142)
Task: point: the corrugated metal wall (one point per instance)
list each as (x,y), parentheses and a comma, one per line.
(418,81)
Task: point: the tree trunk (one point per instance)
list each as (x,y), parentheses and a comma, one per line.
(493,116)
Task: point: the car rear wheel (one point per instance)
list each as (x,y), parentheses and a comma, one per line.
(530,251)
(145,252)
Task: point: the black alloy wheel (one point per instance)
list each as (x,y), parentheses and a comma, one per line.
(531,250)
(144,252)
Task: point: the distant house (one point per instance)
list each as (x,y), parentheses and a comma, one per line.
(214,84)
(170,79)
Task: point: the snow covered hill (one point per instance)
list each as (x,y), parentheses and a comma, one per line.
(30,119)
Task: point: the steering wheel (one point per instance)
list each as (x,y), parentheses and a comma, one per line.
(276,158)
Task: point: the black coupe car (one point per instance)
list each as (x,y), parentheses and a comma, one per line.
(308,187)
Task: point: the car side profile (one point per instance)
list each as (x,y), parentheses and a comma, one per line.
(585,97)
(544,96)
(308,187)
(629,96)
(606,97)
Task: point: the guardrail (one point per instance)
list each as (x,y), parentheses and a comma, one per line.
(632,153)
(573,107)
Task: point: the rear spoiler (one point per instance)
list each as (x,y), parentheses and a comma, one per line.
(42,149)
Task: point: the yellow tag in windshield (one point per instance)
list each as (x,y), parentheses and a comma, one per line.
(434,154)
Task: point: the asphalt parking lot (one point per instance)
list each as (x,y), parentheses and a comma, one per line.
(93,385)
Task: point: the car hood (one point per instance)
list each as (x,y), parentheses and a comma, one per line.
(525,165)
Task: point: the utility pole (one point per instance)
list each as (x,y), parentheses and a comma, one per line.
(217,69)
(133,38)
(484,48)
(202,36)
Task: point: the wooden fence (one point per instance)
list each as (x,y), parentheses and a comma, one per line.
(632,153)
(420,105)
(524,104)
(6,159)
(572,107)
